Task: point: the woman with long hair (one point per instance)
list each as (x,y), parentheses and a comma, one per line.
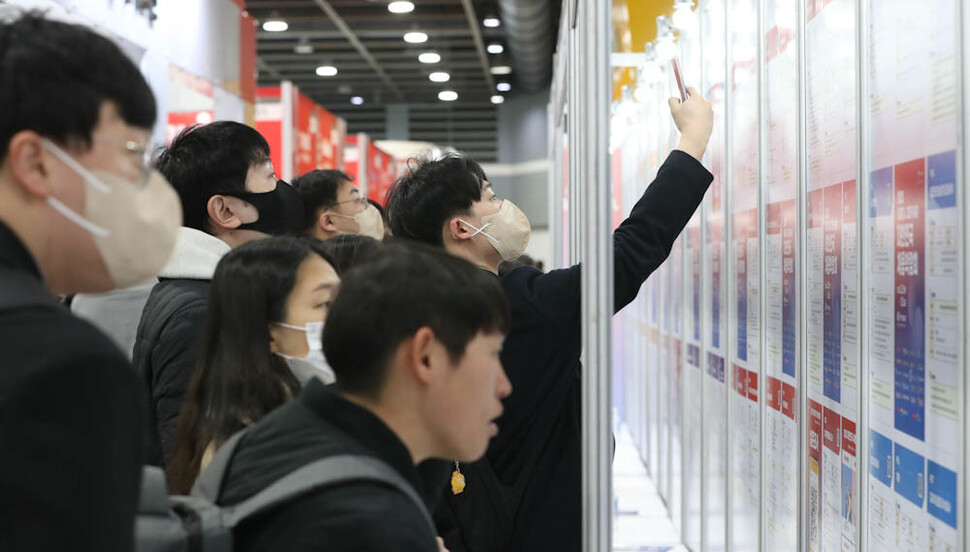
(261,341)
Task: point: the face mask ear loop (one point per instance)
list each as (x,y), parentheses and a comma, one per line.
(480,230)
(290,326)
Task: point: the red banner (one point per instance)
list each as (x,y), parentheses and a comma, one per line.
(381,173)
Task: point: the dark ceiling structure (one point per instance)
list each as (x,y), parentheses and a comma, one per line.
(375,66)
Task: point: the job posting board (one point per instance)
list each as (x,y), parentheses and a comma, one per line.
(795,373)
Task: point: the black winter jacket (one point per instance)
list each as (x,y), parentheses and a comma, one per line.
(359,516)
(165,354)
(536,456)
(71,419)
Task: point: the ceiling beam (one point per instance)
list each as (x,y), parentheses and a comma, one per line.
(352,37)
(479,43)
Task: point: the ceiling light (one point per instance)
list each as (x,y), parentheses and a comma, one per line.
(497,99)
(415,37)
(447,95)
(503,87)
(275,25)
(357,100)
(303,47)
(495,48)
(439,76)
(429,57)
(491,22)
(400,7)
(501,70)
(326,71)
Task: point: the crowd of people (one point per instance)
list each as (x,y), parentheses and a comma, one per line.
(206,298)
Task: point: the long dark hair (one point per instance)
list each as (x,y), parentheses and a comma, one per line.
(237,380)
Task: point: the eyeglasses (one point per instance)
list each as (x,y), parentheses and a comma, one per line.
(362,201)
(139,155)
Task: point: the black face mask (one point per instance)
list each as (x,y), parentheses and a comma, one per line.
(280,211)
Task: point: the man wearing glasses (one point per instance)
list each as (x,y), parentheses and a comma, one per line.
(79,212)
(333,206)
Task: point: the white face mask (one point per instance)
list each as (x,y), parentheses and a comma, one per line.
(315,364)
(369,222)
(509,231)
(134,226)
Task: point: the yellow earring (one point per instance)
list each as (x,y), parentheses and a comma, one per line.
(457,480)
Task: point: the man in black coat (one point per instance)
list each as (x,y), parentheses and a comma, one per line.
(78,212)
(525,495)
(414,339)
(230,195)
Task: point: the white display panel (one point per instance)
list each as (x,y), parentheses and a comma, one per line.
(915,387)
(782,370)
(744,304)
(832,275)
(694,380)
(715,309)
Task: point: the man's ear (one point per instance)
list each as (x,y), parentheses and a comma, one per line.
(29,164)
(422,355)
(458,230)
(326,222)
(225,212)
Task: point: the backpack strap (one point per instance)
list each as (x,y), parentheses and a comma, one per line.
(209,483)
(323,473)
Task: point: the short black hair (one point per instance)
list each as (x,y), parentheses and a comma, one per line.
(207,160)
(319,191)
(405,287)
(432,191)
(55,77)
(346,251)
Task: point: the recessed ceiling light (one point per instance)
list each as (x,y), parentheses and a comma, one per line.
(400,7)
(497,99)
(447,95)
(415,37)
(439,76)
(501,70)
(491,22)
(357,100)
(275,25)
(503,87)
(429,57)
(326,70)
(495,48)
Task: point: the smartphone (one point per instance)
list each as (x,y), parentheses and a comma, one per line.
(679,77)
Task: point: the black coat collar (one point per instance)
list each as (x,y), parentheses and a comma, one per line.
(362,425)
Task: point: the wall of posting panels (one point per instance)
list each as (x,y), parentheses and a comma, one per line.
(794,375)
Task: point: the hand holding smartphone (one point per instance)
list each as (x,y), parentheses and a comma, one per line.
(679,77)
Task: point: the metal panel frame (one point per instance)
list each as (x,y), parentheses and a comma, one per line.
(731,276)
(763,279)
(597,274)
(863,170)
(801,278)
(963,170)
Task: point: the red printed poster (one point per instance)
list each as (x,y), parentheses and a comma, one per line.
(788,401)
(269,122)
(850,482)
(381,173)
(773,393)
(814,475)
(177,122)
(306,134)
(352,158)
(831,481)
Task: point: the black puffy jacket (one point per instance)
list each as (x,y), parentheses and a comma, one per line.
(164,357)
